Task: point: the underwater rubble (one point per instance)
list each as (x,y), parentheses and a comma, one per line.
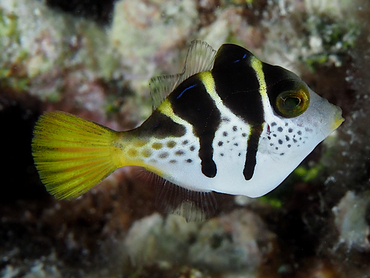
(95,60)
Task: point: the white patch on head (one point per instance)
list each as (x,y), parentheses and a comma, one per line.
(283,137)
(285,142)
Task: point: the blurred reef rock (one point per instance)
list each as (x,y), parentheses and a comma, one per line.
(95,58)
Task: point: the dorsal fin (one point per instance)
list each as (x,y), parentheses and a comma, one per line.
(200,58)
(161,87)
(171,198)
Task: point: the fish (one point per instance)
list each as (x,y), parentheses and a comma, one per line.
(228,123)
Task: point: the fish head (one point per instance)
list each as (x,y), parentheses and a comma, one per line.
(296,105)
(297,119)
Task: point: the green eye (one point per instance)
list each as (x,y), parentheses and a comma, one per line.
(291,104)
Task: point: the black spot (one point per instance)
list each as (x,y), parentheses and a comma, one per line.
(299,132)
(280,141)
(276,148)
(282,154)
(189,160)
(185,142)
(224,133)
(290,130)
(239,154)
(294,140)
(271,144)
(172,161)
(273,124)
(244,134)
(287,138)
(171,144)
(192,148)
(179,152)
(236,144)
(274,135)
(280,129)
(220,143)
(235,128)
(289,145)
(163,155)
(222,154)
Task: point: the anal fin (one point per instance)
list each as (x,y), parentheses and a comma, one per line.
(174,199)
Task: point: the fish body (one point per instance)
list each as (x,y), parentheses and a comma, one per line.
(228,123)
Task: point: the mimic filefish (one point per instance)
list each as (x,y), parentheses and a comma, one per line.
(228,123)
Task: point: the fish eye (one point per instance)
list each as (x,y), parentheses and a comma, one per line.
(291,104)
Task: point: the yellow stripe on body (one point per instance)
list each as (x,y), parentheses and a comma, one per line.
(166,109)
(209,83)
(257,66)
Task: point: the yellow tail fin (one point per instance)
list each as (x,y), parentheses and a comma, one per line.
(72,154)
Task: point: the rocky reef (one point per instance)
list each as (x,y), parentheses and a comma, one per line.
(95,59)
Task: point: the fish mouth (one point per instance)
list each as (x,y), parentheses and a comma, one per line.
(338,119)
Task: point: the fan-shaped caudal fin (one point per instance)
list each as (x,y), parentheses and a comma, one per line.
(73,154)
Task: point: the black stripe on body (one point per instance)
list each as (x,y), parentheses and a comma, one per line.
(279,80)
(191,102)
(250,160)
(237,85)
(159,126)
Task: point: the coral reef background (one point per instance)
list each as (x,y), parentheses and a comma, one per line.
(95,58)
